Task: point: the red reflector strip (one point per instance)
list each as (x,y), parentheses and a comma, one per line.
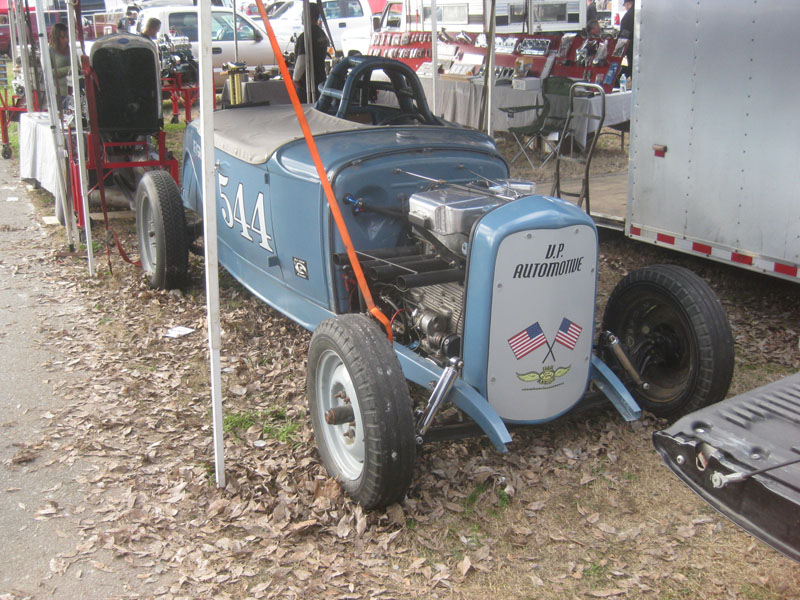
(636,230)
(701,248)
(667,239)
(786,269)
(741,258)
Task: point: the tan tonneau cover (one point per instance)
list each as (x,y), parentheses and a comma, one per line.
(252,134)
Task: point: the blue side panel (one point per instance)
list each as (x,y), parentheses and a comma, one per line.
(532,212)
(191,189)
(273,291)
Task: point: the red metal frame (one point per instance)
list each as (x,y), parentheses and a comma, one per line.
(180,91)
(6,110)
(115,155)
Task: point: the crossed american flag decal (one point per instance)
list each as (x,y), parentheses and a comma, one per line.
(532,337)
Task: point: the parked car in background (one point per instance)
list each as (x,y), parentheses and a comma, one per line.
(343,16)
(254,47)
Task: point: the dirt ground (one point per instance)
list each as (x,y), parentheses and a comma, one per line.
(579,508)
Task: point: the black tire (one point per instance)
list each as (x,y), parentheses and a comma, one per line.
(675,331)
(161,227)
(374,462)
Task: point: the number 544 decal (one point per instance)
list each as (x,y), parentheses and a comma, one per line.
(232,215)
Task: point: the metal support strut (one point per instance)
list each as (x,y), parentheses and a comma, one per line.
(440,390)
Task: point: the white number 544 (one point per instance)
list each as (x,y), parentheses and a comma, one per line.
(231,216)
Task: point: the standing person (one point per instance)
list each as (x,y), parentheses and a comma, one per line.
(151,29)
(626,30)
(591,11)
(319,45)
(59,59)
(126,22)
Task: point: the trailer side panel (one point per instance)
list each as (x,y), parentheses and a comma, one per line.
(715,160)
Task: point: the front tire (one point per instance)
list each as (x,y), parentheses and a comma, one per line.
(675,331)
(350,362)
(161,228)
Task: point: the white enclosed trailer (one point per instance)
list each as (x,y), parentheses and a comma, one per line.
(715,131)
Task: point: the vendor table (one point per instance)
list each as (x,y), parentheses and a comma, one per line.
(37,152)
(618,110)
(254,92)
(459,101)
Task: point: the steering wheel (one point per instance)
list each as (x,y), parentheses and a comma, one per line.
(405,115)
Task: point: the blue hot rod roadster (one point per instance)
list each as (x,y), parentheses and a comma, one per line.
(487,290)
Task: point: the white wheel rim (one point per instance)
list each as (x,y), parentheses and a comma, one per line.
(345,442)
(149,243)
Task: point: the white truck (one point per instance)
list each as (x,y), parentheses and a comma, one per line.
(714,154)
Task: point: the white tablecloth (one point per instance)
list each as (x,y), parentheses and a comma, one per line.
(460,101)
(269,90)
(37,152)
(618,110)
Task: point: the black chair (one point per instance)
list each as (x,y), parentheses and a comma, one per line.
(550,117)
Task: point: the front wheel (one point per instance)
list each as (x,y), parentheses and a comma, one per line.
(675,331)
(161,228)
(360,410)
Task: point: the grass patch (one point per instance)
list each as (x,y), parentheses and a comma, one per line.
(239,421)
(472,499)
(275,423)
(280,426)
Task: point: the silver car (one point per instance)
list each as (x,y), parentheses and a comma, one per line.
(253,45)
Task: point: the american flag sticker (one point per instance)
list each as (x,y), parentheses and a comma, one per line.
(527,340)
(568,333)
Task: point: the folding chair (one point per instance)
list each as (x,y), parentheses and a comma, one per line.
(550,117)
(579,88)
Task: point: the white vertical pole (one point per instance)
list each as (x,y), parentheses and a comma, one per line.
(308,40)
(80,142)
(210,233)
(55,124)
(235,34)
(24,49)
(490,65)
(434,52)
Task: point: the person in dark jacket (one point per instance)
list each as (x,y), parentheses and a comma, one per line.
(319,45)
(591,11)
(626,31)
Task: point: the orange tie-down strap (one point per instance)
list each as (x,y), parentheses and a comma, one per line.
(323,177)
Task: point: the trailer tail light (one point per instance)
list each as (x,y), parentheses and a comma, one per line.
(616,19)
(659,150)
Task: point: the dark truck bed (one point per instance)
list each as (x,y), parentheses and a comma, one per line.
(749,433)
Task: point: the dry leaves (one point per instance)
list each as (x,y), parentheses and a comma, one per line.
(282,528)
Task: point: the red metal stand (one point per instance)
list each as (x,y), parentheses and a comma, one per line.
(180,91)
(115,155)
(7,109)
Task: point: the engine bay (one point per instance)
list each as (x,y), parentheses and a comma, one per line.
(421,285)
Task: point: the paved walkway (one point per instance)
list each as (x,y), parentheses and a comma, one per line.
(41,500)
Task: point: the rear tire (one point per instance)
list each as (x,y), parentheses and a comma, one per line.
(675,331)
(161,228)
(351,363)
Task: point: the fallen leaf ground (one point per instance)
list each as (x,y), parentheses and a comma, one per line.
(579,508)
